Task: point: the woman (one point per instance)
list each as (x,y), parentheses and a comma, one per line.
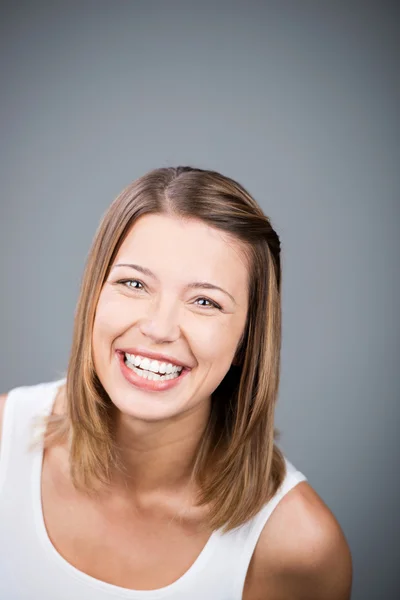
(158,475)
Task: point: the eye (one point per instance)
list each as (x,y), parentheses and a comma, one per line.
(213,304)
(125,282)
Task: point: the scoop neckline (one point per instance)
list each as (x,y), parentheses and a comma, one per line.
(102,586)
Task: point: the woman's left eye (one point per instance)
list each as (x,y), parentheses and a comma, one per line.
(213,304)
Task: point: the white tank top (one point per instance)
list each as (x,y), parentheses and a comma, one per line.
(32,569)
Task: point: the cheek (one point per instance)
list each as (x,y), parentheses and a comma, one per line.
(216,343)
(112,315)
(111,320)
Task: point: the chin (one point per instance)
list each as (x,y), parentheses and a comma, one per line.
(143,407)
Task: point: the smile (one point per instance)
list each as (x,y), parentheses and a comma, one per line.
(150,375)
(154,366)
(152,369)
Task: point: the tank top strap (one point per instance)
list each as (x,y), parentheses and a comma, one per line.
(251,531)
(23,409)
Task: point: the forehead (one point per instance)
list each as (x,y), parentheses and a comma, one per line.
(159,241)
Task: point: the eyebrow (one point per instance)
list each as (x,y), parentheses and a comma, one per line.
(193,285)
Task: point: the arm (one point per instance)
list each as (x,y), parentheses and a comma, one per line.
(323,569)
(302,553)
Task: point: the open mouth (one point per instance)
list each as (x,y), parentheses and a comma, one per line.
(152,370)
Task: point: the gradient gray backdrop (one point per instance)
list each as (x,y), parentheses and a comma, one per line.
(298,102)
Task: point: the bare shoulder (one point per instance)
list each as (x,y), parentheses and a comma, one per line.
(3,398)
(302,552)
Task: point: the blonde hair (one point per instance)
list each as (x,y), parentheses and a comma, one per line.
(238,466)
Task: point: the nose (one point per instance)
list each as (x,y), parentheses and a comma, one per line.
(161,322)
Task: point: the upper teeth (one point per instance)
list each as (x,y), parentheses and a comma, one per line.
(152,365)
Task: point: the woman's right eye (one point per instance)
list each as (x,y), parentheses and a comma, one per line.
(125,282)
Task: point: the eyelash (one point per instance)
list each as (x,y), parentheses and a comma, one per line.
(125,281)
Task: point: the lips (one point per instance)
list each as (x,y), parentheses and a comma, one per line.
(147,384)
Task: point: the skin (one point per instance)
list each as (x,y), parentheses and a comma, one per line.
(132,537)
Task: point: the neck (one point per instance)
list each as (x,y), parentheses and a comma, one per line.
(159,456)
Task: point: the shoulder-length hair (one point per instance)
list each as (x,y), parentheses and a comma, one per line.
(238,466)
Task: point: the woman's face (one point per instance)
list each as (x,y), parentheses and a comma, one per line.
(160,311)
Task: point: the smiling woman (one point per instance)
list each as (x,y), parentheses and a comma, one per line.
(158,474)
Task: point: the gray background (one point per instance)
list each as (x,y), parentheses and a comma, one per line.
(298,102)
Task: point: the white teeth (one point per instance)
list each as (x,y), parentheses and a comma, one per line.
(145,364)
(150,375)
(152,365)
